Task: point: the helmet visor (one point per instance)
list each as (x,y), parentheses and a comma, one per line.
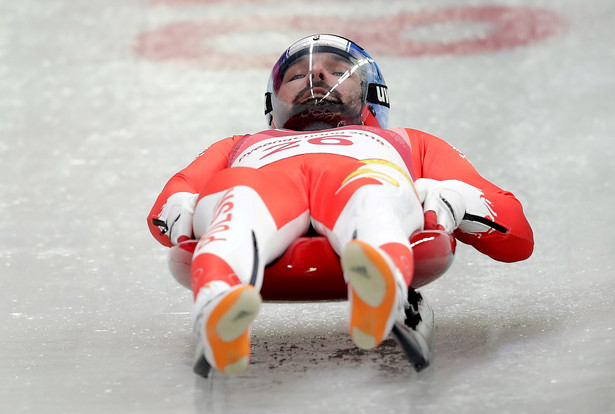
(320,82)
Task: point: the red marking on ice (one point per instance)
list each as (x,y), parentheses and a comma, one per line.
(511,27)
(193,42)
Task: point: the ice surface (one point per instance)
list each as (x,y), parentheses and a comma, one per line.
(91,128)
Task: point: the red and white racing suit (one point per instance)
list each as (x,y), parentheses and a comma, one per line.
(258,193)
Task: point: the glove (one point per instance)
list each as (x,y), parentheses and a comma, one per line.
(175,219)
(445,204)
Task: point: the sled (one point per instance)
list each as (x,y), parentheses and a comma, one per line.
(309,270)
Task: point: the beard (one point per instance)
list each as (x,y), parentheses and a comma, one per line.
(309,113)
(315,118)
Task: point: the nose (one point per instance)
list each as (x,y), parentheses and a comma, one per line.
(317,75)
(317,71)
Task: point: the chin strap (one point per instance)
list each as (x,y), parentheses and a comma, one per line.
(368,118)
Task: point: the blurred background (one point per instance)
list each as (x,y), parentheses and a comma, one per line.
(101,102)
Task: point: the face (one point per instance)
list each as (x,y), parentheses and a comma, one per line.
(319,79)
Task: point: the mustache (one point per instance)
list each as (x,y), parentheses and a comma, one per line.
(333,96)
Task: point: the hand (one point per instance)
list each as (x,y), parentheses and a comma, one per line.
(175,219)
(443,203)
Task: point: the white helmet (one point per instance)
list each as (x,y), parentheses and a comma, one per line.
(326,81)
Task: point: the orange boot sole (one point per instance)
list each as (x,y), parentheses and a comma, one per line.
(227,329)
(372,294)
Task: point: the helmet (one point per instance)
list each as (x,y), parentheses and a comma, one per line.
(326,81)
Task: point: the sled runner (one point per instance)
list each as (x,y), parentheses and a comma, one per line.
(310,270)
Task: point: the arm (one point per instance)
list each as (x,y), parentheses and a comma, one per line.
(179,195)
(492,219)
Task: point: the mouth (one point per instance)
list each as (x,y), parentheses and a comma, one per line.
(319,101)
(318,95)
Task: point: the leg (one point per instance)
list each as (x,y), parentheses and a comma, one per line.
(245,219)
(371,233)
(238,235)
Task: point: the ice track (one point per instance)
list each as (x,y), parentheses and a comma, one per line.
(103,100)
